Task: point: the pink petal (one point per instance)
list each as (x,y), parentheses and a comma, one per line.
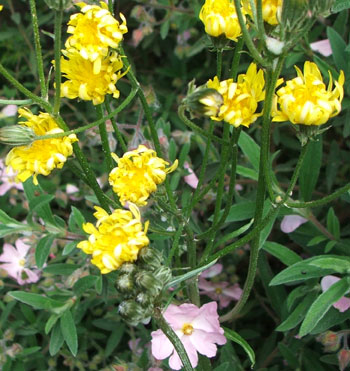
(342,304)
(328,281)
(234,292)
(323,47)
(22,247)
(10,110)
(33,276)
(10,254)
(191,179)
(200,341)
(11,269)
(224,301)
(176,316)
(291,222)
(205,285)
(175,362)
(4,188)
(161,345)
(213,271)
(208,319)
(71,189)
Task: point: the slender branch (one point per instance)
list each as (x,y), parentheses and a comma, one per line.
(236,58)
(175,245)
(58,29)
(17,102)
(38,54)
(260,20)
(218,63)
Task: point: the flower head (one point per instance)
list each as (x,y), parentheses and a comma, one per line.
(342,304)
(116,239)
(85,82)
(198,329)
(93,31)
(306,100)
(220,18)
(240,98)
(42,156)
(137,175)
(220,291)
(7,180)
(271,11)
(17,264)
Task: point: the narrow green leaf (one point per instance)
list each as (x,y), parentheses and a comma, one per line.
(84,284)
(250,149)
(322,304)
(333,223)
(42,250)
(329,246)
(246,172)
(69,332)
(35,300)
(316,240)
(114,340)
(51,322)
(27,351)
(338,46)
(75,221)
(336,264)
(340,5)
(235,337)
(289,356)
(234,234)
(5,219)
(241,211)
(61,269)
(56,340)
(282,253)
(69,247)
(40,201)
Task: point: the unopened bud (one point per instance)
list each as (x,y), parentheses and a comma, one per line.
(343,358)
(150,257)
(130,310)
(127,268)
(9,334)
(321,7)
(17,135)
(124,283)
(330,340)
(146,280)
(163,274)
(14,350)
(143,299)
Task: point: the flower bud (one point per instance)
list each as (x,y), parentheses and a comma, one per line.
(321,7)
(58,4)
(330,340)
(143,299)
(17,135)
(127,268)
(150,257)
(343,358)
(132,312)
(163,274)
(124,283)
(146,281)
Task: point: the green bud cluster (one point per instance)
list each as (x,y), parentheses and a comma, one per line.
(141,284)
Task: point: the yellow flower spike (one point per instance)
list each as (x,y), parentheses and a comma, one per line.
(137,175)
(241,98)
(305,99)
(94,30)
(42,156)
(220,18)
(116,239)
(82,80)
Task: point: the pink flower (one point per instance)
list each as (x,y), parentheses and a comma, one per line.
(213,271)
(8,111)
(7,180)
(219,291)
(198,329)
(15,260)
(342,304)
(191,179)
(323,47)
(291,222)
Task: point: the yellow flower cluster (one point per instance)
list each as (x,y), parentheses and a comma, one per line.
(42,156)
(306,100)
(241,98)
(137,175)
(92,68)
(220,18)
(271,11)
(116,239)
(1,7)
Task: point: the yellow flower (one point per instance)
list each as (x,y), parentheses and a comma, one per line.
(1,7)
(240,98)
(94,31)
(305,99)
(220,18)
(42,156)
(116,239)
(87,84)
(271,10)
(137,175)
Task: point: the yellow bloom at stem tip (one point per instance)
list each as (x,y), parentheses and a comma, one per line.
(241,98)
(116,239)
(220,18)
(93,31)
(137,175)
(306,100)
(1,7)
(87,84)
(271,11)
(42,156)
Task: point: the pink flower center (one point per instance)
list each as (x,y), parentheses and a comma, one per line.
(218,290)
(187,329)
(22,262)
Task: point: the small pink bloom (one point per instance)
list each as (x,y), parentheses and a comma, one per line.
(219,291)
(191,179)
(15,260)
(213,271)
(7,178)
(291,222)
(342,304)
(198,329)
(10,110)
(323,47)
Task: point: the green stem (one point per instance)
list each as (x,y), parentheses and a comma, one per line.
(118,134)
(174,339)
(58,28)
(260,20)
(247,39)
(104,139)
(194,127)
(236,58)
(45,105)
(78,172)
(110,6)
(175,245)
(38,54)
(17,102)
(218,63)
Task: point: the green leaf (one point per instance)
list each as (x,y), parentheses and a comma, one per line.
(61,269)
(235,337)
(298,313)
(164,29)
(322,304)
(333,223)
(310,169)
(76,220)
(340,5)
(35,300)
(295,294)
(84,284)
(114,340)
(234,234)
(69,332)
(56,340)
(42,250)
(289,356)
(282,253)
(184,153)
(247,172)
(51,322)
(69,247)
(5,219)
(336,264)
(27,351)
(329,246)
(332,318)
(40,201)
(316,240)
(6,230)
(338,46)
(239,212)
(250,149)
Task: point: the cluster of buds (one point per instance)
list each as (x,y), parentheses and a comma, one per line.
(141,284)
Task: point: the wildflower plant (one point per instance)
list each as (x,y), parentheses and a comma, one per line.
(177,196)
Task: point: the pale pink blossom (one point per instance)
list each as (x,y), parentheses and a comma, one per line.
(7,179)
(342,304)
(212,271)
(198,329)
(9,111)
(17,264)
(291,222)
(323,47)
(191,179)
(220,291)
